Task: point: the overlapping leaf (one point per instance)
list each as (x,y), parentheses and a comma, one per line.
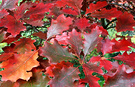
(55,52)
(76,4)
(91,40)
(40,35)
(103,62)
(125,22)
(39,9)
(35,20)
(128,59)
(19,13)
(3,13)
(62,39)
(104,13)
(121,79)
(120,45)
(14,26)
(91,80)
(76,41)
(107,46)
(18,66)
(94,7)
(59,25)
(82,23)
(37,80)
(70,11)
(88,69)
(64,75)
(8,4)
(22,46)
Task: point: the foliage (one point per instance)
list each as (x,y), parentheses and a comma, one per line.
(67,43)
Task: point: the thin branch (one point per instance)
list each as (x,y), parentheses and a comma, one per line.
(110,23)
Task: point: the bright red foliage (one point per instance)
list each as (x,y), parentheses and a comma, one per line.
(103,62)
(82,23)
(104,13)
(59,25)
(14,26)
(73,46)
(94,7)
(125,22)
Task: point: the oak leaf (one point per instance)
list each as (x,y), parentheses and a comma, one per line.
(76,42)
(91,40)
(55,52)
(59,25)
(125,22)
(94,7)
(128,59)
(14,26)
(82,23)
(18,66)
(8,4)
(108,14)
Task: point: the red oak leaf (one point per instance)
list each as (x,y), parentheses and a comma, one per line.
(9,49)
(64,75)
(91,80)
(125,22)
(94,7)
(103,62)
(91,40)
(76,42)
(70,11)
(128,59)
(8,4)
(20,47)
(110,46)
(120,45)
(121,78)
(62,39)
(9,38)
(91,67)
(51,70)
(82,23)
(88,69)
(40,35)
(25,44)
(3,13)
(39,9)
(104,31)
(112,72)
(19,13)
(18,66)
(35,20)
(103,13)
(55,52)
(107,46)
(6,56)
(43,63)
(59,25)
(14,26)
(76,4)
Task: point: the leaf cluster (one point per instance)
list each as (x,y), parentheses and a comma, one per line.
(67,43)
